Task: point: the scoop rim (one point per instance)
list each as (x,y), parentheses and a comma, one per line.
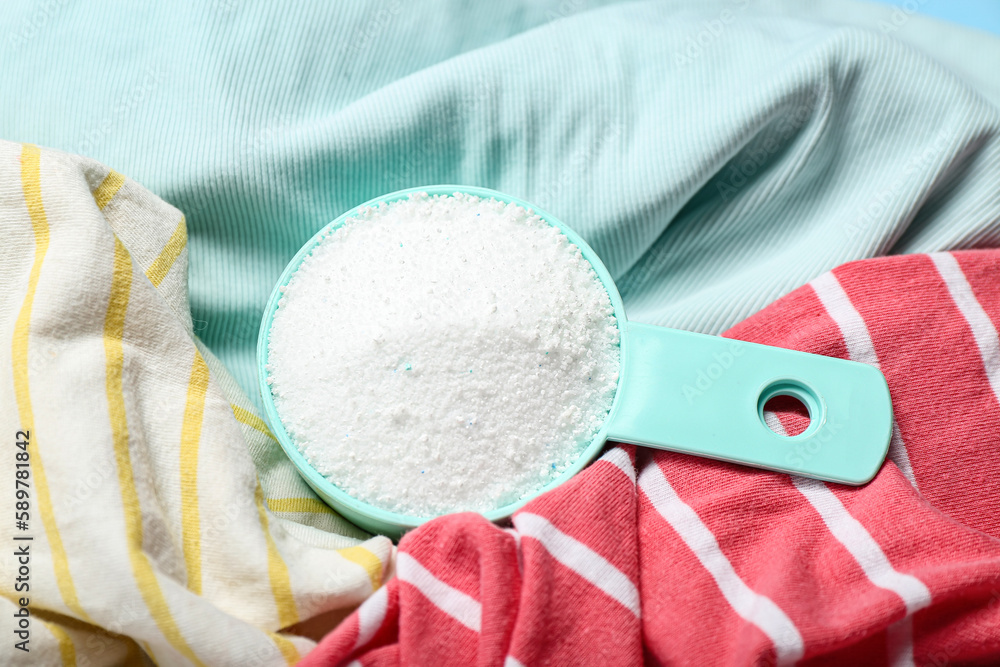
(368,516)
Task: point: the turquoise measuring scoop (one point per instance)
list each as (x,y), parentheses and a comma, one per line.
(685,392)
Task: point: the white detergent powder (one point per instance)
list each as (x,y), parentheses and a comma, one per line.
(443,353)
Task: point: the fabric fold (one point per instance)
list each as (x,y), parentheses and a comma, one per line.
(695,562)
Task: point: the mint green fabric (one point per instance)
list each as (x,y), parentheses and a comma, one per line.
(715,154)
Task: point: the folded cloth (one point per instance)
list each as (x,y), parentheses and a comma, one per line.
(716,154)
(159,508)
(678,560)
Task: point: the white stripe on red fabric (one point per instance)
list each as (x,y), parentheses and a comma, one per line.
(900,643)
(371,613)
(899,455)
(453,602)
(852,327)
(900,633)
(750,605)
(773,422)
(618,458)
(580,558)
(860,348)
(862,545)
(869,555)
(355,663)
(511,661)
(979,322)
(517,545)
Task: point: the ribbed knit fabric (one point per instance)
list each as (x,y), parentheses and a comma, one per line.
(669,559)
(716,154)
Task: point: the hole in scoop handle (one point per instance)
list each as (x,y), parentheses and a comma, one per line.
(703,395)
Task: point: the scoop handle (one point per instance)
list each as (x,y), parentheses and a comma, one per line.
(704,395)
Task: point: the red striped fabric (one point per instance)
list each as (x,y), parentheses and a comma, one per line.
(660,558)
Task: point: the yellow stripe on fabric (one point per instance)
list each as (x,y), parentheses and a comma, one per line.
(63,623)
(108,188)
(365,559)
(160,267)
(251,420)
(298,505)
(142,569)
(67,652)
(277,570)
(287,648)
(194,411)
(148,650)
(31,182)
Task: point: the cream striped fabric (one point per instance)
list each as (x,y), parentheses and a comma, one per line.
(167,525)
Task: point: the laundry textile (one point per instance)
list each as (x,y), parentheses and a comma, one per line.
(716,154)
(164,161)
(677,560)
(159,511)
